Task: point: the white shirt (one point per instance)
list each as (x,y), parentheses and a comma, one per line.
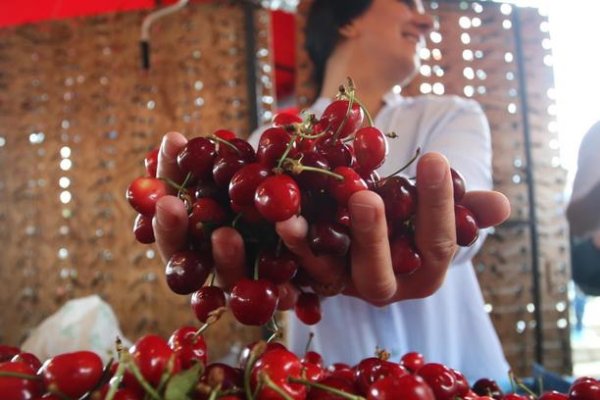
(451,326)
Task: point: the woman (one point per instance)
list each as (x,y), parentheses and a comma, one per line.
(376,43)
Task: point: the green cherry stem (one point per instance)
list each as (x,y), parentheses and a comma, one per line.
(116,382)
(10,374)
(326,388)
(273,386)
(311,335)
(255,353)
(215,393)
(287,150)
(412,160)
(296,168)
(225,142)
(140,378)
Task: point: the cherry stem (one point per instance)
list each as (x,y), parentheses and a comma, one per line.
(256,352)
(225,142)
(311,335)
(521,385)
(212,279)
(10,374)
(213,317)
(287,150)
(326,388)
(140,378)
(273,386)
(115,383)
(297,168)
(216,392)
(236,219)
(185,182)
(412,160)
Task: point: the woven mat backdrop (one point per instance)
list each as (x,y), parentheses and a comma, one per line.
(475,54)
(77,116)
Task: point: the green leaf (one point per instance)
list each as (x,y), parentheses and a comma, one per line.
(182,383)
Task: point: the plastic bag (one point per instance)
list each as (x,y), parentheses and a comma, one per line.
(87,323)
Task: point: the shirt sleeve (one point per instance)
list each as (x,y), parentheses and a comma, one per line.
(461,132)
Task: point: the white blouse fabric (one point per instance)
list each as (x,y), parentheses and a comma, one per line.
(451,326)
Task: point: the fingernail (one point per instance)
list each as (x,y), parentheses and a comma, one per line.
(167,149)
(432,171)
(362,216)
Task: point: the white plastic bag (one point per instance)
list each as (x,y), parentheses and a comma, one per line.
(87,323)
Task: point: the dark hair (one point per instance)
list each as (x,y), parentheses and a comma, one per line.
(323,22)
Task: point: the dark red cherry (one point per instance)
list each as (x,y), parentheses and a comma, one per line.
(399,196)
(244,182)
(313,180)
(350,183)
(334,382)
(336,153)
(441,379)
(467,230)
(8,352)
(187,270)
(272,145)
(405,256)
(225,167)
(585,388)
(206,215)
(487,387)
(206,300)
(458,184)
(142,229)
(197,158)
(308,308)
(286,118)
(407,387)
(278,267)
(328,238)
(253,302)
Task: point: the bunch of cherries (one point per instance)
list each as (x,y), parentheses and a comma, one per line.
(302,166)
(177,369)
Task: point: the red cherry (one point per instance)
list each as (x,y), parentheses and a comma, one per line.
(272,145)
(277,198)
(72,374)
(342,371)
(143,193)
(327,238)
(224,134)
(245,353)
(553,395)
(405,256)
(8,352)
(151,162)
(28,358)
(343,119)
(224,375)
(189,348)
(313,180)
(372,369)
(142,229)
(207,299)
(467,230)
(151,354)
(243,184)
(187,271)
(351,183)
(313,357)
(462,384)
(253,302)
(13,388)
(197,158)
(206,214)
(123,393)
(129,380)
(412,361)
(458,184)
(487,387)
(407,387)
(239,148)
(585,388)
(370,148)
(278,365)
(336,153)
(225,167)
(286,118)
(278,268)
(399,196)
(308,308)
(441,379)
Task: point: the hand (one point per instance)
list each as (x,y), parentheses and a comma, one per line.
(372,278)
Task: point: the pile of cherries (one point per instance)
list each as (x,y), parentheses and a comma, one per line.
(302,166)
(177,369)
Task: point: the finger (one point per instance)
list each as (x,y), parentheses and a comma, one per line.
(372,272)
(170,226)
(172,144)
(229,256)
(435,227)
(489,208)
(323,269)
